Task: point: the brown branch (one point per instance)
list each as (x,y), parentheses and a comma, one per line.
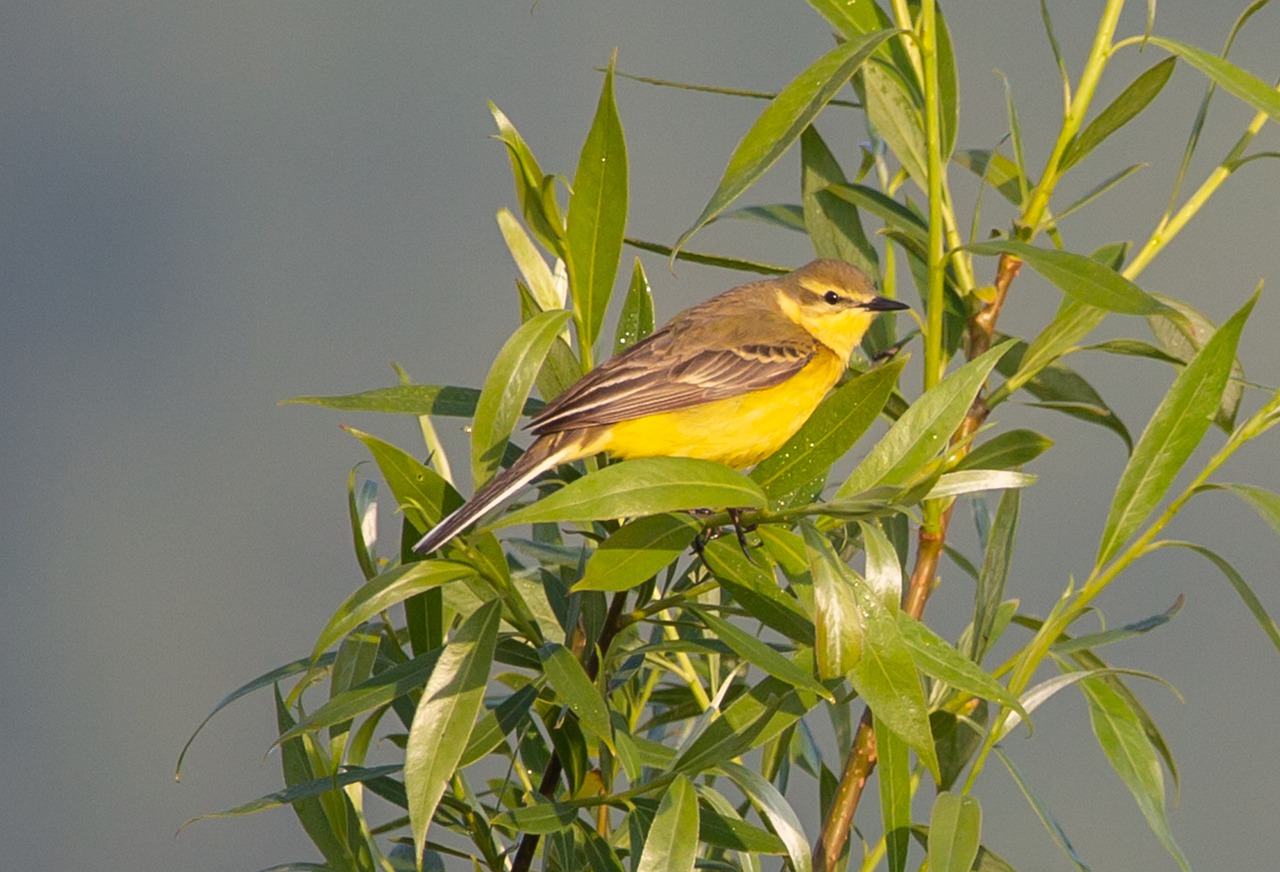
(862,756)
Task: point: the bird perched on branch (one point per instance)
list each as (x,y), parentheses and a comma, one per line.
(729,380)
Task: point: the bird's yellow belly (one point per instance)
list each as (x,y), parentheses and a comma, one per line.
(737,431)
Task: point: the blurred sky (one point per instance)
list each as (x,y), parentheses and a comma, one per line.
(206,208)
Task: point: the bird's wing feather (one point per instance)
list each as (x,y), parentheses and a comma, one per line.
(686,364)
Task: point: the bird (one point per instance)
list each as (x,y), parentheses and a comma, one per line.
(729,380)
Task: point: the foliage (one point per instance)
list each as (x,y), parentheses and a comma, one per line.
(599,693)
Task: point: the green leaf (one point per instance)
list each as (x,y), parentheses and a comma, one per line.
(785,118)
(637,551)
(303,790)
(1266,503)
(948,89)
(540,818)
(773,807)
(935,657)
(718,260)
(858,634)
(1228,76)
(1182,337)
(922,432)
(379,690)
(995,573)
(1056,832)
(575,689)
(637,319)
(1006,451)
(408,400)
(540,210)
(893,763)
(384,591)
(1073,321)
(1080,276)
(722,827)
(970,481)
(895,215)
(672,843)
(986,861)
(955,832)
(1176,428)
(1125,744)
(266,679)
(759,654)
(646,486)
(493,725)
(446,714)
(833,224)
(598,214)
(533,269)
(896,117)
(507,387)
(833,428)
(787,216)
(1119,112)
(1242,588)
(996,170)
(756,590)
(883,568)
(362,510)
(1089,641)
(1134,348)
(421,493)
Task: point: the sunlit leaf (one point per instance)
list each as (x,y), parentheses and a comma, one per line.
(936,657)
(1228,76)
(672,842)
(1007,450)
(773,807)
(409,400)
(1242,588)
(893,765)
(970,481)
(575,689)
(833,224)
(1175,429)
(646,486)
(1119,112)
(533,268)
(784,120)
(759,654)
(540,211)
(955,832)
(636,320)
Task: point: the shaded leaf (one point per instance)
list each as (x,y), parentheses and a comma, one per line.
(897,118)
(1105,637)
(1123,109)
(638,550)
(575,689)
(533,269)
(1185,335)
(1056,832)
(672,842)
(759,654)
(936,657)
(989,593)
(773,807)
(1228,76)
(833,224)
(955,832)
(1242,588)
(409,400)
(1006,451)
(720,260)
(636,320)
(893,765)
(756,589)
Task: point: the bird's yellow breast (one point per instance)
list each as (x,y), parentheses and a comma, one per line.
(737,431)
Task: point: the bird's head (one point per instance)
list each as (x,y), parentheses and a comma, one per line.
(834,301)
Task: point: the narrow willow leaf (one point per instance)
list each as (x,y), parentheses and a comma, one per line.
(721,826)
(1182,337)
(970,481)
(883,671)
(303,790)
(787,216)
(893,765)
(600,856)
(1123,109)
(575,689)
(1080,276)
(637,551)
(383,592)
(883,572)
(996,170)
(1090,641)
(785,118)
(1015,136)
(446,714)
(598,214)
(507,387)
(936,657)
(896,117)
(376,691)
(827,436)
(833,224)
(1266,503)
(948,89)
(408,400)
(851,19)
(895,215)
(1134,348)
(533,269)
(422,494)
(1175,429)
(756,590)
(957,739)
(1006,451)
(1074,320)
(1036,696)
(540,212)
(759,654)
(955,832)
(986,861)
(719,260)
(541,817)
(921,433)
(266,679)
(773,807)
(989,593)
(1242,588)
(1097,191)
(1056,832)
(1125,744)
(1227,76)
(672,842)
(637,319)
(497,723)
(643,487)
(362,510)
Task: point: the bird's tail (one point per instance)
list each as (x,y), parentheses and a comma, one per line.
(543,454)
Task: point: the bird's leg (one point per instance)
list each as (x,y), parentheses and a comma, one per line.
(889,353)
(735,516)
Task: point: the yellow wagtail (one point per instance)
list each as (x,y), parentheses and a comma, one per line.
(730,380)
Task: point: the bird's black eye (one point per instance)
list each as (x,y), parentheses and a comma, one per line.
(831,298)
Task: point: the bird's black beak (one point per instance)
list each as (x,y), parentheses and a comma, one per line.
(883,304)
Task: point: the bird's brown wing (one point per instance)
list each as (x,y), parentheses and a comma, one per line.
(685,364)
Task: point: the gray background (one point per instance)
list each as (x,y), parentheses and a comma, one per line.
(206,208)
